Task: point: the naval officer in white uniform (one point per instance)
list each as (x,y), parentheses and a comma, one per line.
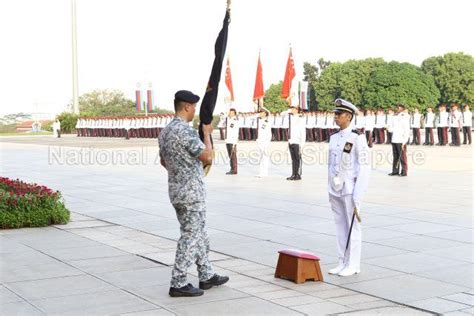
(348,176)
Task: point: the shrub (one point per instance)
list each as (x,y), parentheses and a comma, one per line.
(68,122)
(30,205)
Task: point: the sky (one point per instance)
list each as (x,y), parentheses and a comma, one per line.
(170,43)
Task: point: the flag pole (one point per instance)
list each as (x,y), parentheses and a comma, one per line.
(208,103)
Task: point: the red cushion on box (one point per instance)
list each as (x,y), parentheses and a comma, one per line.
(299,254)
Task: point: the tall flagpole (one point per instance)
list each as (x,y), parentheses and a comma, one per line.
(75,97)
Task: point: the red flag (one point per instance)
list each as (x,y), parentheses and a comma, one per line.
(258,91)
(228,80)
(289,76)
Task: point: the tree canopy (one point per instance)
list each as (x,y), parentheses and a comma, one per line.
(375,83)
(345,80)
(453,74)
(395,83)
(272,100)
(106,103)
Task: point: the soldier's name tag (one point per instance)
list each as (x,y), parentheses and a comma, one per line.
(348,147)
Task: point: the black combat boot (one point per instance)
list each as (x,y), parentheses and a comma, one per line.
(187,290)
(214,281)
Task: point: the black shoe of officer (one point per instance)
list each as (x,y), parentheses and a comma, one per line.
(214,281)
(231,172)
(393,174)
(291,178)
(297,177)
(403,174)
(185,291)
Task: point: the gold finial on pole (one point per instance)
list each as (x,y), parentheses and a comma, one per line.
(228,5)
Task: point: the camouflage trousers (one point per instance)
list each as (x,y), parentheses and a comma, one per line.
(193,245)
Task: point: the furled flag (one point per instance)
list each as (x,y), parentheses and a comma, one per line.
(303,95)
(289,76)
(209,101)
(228,80)
(258,91)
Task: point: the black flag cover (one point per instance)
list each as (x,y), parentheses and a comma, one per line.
(209,101)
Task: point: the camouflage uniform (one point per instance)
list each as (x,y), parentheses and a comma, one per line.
(180,147)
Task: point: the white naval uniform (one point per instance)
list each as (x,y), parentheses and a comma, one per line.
(359,122)
(55,129)
(467,118)
(232,130)
(352,171)
(263,141)
(369,122)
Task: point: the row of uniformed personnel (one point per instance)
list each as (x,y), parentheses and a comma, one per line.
(142,127)
(377,125)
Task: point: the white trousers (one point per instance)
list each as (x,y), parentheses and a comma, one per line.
(264,160)
(343,208)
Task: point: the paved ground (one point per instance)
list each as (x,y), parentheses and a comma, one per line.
(417,233)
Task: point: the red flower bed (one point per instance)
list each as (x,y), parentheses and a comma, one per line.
(30,205)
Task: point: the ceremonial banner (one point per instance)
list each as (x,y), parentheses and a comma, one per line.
(209,101)
(289,76)
(228,80)
(258,91)
(303,95)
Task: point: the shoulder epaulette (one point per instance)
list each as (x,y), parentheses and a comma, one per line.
(358,132)
(334,133)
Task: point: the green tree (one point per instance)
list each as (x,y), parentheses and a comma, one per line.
(328,86)
(68,122)
(453,74)
(323,63)
(105,103)
(272,100)
(345,80)
(395,83)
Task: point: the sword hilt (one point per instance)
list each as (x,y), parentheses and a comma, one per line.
(356,212)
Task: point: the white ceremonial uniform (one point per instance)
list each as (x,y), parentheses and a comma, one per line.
(467,127)
(457,119)
(429,120)
(359,121)
(349,164)
(285,120)
(369,122)
(232,130)
(297,130)
(349,171)
(415,121)
(467,118)
(443,119)
(390,123)
(380,121)
(263,141)
(55,129)
(78,126)
(401,128)
(221,123)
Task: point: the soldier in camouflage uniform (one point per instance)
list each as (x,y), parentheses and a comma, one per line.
(183,154)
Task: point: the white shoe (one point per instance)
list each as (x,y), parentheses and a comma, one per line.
(337,269)
(348,271)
